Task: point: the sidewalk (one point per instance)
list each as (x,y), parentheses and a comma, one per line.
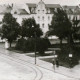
(72,73)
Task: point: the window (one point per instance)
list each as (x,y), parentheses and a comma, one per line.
(38,18)
(48,17)
(42,11)
(43,18)
(48,10)
(32,10)
(38,11)
(15,12)
(43,25)
(69,17)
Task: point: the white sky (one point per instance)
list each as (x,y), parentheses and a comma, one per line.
(62,2)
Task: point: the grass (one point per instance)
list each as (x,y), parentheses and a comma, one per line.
(62,55)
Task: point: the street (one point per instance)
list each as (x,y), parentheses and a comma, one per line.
(13,68)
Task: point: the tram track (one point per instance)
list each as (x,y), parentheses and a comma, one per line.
(38,72)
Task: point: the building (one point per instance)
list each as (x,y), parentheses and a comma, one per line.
(41,12)
(73,12)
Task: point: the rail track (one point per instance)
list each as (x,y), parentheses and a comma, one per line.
(38,72)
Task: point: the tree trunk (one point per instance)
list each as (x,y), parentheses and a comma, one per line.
(61,44)
(70,40)
(10,44)
(70,43)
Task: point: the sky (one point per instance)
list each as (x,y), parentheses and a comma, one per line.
(62,2)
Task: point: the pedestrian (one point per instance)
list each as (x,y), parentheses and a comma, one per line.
(57,63)
(53,62)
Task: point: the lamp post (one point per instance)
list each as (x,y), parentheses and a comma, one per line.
(35,44)
(70,60)
(35,47)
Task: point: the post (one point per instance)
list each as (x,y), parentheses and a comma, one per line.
(54,60)
(35,47)
(70,59)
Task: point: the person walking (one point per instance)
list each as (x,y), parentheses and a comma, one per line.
(57,63)
(53,62)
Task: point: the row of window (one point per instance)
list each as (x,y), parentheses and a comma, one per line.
(43,18)
(43,25)
(74,17)
(40,11)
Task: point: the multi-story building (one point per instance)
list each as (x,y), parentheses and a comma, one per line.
(41,12)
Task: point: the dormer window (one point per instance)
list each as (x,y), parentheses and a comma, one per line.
(48,11)
(15,12)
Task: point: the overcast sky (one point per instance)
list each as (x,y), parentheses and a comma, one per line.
(62,2)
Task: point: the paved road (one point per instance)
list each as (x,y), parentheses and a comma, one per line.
(12,68)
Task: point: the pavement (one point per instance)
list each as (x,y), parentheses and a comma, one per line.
(69,72)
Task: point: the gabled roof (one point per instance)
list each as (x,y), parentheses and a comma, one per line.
(53,6)
(22,11)
(5,9)
(31,5)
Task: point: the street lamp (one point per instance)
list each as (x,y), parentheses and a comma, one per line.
(70,60)
(35,44)
(35,47)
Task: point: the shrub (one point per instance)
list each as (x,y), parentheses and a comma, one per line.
(29,45)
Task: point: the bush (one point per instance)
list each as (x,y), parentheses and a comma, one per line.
(64,57)
(29,45)
(21,44)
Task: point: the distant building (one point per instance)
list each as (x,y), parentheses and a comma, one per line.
(73,12)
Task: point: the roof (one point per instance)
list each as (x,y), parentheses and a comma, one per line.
(70,7)
(77,12)
(53,6)
(31,5)
(22,11)
(69,11)
(5,9)
(72,10)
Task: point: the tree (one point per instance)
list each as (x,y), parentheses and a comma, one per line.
(76,28)
(61,26)
(29,27)
(10,28)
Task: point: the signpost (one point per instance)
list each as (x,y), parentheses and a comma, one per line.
(70,59)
